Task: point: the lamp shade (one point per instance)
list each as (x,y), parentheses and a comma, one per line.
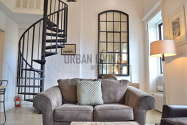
(162,48)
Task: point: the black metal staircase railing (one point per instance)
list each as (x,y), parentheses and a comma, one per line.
(42,39)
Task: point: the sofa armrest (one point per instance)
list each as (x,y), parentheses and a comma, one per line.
(138,99)
(170,111)
(46,102)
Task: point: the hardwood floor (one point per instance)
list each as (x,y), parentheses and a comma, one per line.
(22,116)
(26,116)
(153,117)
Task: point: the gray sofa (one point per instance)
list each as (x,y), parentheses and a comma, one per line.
(174,115)
(121,103)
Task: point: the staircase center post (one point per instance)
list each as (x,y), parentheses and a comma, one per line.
(44,43)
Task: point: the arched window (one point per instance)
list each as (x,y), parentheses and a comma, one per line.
(113,43)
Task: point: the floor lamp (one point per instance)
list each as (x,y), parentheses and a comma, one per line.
(163,49)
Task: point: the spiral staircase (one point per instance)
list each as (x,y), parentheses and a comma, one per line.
(42,39)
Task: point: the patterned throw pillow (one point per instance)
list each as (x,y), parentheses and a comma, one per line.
(89,92)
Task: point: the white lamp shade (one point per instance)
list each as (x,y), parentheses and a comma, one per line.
(163,47)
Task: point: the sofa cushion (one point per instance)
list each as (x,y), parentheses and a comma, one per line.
(69,90)
(71,112)
(113,112)
(89,92)
(176,121)
(113,91)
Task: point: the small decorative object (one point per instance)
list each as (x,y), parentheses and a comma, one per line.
(69,49)
(178,26)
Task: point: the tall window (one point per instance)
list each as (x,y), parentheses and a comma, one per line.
(113,43)
(155,32)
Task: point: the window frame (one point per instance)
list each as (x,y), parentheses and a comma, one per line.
(160,31)
(113,52)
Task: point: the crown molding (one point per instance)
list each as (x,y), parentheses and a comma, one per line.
(155,9)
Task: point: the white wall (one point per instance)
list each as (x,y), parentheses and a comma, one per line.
(55,66)
(148,5)
(33,4)
(83,30)
(24,6)
(10,56)
(176,80)
(2,35)
(9,3)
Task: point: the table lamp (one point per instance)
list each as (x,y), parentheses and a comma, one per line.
(163,48)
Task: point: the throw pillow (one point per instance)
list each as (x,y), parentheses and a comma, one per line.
(68,88)
(89,92)
(114,90)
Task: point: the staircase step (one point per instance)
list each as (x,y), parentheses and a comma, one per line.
(40,61)
(30,86)
(31,78)
(51,24)
(55,29)
(54,41)
(27,93)
(54,34)
(32,69)
(50,54)
(54,46)
(28,100)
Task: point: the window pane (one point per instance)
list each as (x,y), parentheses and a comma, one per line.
(116,26)
(117,58)
(100,69)
(102,47)
(116,16)
(124,59)
(103,58)
(116,47)
(110,47)
(110,26)
(110,37)
(103,26)
(110,16)
(116,69)
(103,17)
(116,37)
(124,26)
(110,58)
(110,69)
(104,69)
(124,37)
(102,36)
(123,17)
(124,70)
(124,47)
